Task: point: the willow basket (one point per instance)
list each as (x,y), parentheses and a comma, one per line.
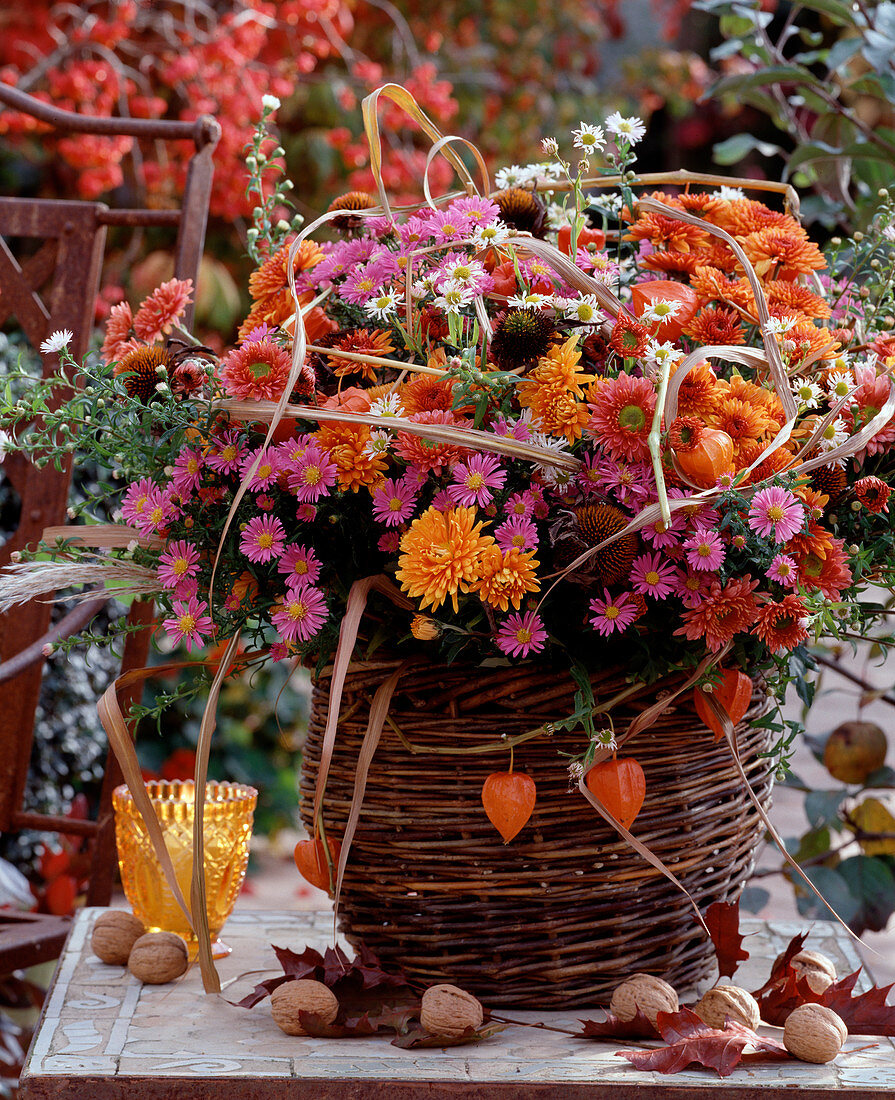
(562,913)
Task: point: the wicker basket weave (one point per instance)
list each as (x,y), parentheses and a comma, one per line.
(561,914)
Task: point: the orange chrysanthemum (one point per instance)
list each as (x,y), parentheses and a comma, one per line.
(716,325)
(765,400)
(429,454)
(743,216)
(162,309)
(794,296)
(359,341)
(723,612)
(664,232)
(782,253)
(810,343)
(553,391)
(686,263)
(256,372)
(441,555)
(505,576)
(712,284)
(270,277)
(346,444)
(781,625)
(629,338)
(425,393)
(118,331)
(699,393)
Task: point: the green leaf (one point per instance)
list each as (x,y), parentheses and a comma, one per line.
(822,807)
(835,891)
(839,12)
(735,148)
(872,884)
(763,78)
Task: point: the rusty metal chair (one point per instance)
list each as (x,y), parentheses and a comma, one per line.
(55,288)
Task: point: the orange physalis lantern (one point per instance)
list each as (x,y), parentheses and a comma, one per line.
(666,290)
(734,694)
(508,798)
(310,859)
(620,786)
(709,459)
(586,237)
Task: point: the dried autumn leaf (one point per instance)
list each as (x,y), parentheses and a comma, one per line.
(417,1037)
(690,1040)
(723,922)
(873,817)
(640,1027)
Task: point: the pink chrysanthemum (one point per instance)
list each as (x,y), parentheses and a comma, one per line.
(268,467)
(784,571)
(314,475)
(393,502)
(518,532)
(612,615)
(302,614)
(300,565)
(118,332)
(622,414)
(133,506)
(777,513)
(521,634)
(227,452)
(189,623)
(163,309)
(256,372)
(705,550)
(475,478)
(262,539)
(651,575)
(178,561)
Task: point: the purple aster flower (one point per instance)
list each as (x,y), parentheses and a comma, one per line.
(188,471)
(610,615)
(136,498)
(189,623)
(784,571)
(474,480)
(227,452)
(393,502)
(313,475)
(262,539)
(521,634)
(518,532)
(268,467)
(691,587)
(302,614)
(178,561)
(705,550)
(300,565)
(652,575)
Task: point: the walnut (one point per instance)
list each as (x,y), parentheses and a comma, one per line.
(447,1010)
(291,998)
(114,934)
(728,1002)
(158,957)
(817,970)
(645,992)
(814,1033)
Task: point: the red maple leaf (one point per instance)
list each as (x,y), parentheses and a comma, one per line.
(723,921)
(690,1040)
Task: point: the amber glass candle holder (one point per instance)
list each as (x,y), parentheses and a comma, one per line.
(229,809)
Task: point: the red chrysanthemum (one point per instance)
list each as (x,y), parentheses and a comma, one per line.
(257,371)
(723,612)
(621,415)
(629,338)
(427,453)
(716,325)
(781,625)
(873,493)
(118,331)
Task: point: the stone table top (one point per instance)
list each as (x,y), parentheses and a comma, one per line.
(106,1036)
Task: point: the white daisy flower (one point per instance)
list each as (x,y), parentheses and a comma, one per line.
(270,102)
(378,443)
(630,128)
(840,383)
(778,326)
(550,146)
(529,301)
(515,175)
(57,341)
(589,138)
(382,305)
(490,236)
(833,434)
(889,232)
(729,194)
(807,393)
(660,354)
(6,442)
(387,405)
(658,311)
(465,272)
(584,309)
(454,296)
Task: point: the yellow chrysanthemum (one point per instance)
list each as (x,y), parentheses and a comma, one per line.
(506,576)
(553,391)
(441,555)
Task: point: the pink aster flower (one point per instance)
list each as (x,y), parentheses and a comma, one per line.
(157,513)
(631,483)
(302,614)
(361,285)
(691,586)
(664,537)
(162,309)
(448,225)
(474,479)
(189,623)
(227,452)
(518,532)
(651,575)
(300,565)
(520,504)
(135,500)
(776,512)
(292,450)
(521,634)
(188,471)
(784,571)
(306,513)
(314,475)
(390,541)
(393,502)
(179,560)
(268,467)
(262,539)
(279,651)
(609,614)
(705,550)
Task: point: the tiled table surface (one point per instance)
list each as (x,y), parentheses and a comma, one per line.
(105,1035)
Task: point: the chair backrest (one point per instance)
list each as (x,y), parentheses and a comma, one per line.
(55,288)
